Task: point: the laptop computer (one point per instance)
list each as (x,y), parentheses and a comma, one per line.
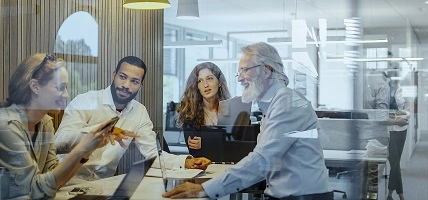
(178,178)
(216,147)
(212,143)
(129,183)
(161,161)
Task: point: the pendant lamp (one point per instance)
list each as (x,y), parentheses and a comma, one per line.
(146,4)
(188,9)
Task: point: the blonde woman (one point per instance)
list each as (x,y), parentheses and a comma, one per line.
(38,85)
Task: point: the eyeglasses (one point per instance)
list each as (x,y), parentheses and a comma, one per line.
(40,66)
(245,70)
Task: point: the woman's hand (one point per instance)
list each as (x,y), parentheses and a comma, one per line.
(194,143)
(96,138)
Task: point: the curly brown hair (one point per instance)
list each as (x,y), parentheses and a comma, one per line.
(191,108)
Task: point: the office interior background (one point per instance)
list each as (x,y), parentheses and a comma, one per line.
(314,37)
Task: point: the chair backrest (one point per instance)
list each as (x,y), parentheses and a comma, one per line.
(171,117)
(236,150)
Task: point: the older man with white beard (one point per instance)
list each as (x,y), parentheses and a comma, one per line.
(288,152)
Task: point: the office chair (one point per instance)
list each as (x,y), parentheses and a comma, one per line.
(170,117)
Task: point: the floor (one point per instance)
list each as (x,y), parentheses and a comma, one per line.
(415,176)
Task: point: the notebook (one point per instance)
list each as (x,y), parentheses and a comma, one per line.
(129,183)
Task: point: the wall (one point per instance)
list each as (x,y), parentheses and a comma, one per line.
(30,27)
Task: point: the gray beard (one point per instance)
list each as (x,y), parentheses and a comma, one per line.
(253,91)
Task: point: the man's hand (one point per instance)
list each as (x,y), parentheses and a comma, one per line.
(197,163)
(119,134)
(186,190)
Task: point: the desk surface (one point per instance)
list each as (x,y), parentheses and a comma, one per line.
(149,188)
(152,187)
(349,156)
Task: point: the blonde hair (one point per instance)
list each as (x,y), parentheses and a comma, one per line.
(19,89)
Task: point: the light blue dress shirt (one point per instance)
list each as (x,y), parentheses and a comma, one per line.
(291,161)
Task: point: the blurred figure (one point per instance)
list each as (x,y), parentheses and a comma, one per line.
(37,86)
(398,132)
(288,154)
(205,88)
(378,91)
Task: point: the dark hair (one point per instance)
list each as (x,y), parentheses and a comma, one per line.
(191,108)
(19,89)
(132,60)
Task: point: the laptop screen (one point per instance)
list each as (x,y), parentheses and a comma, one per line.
(133,178)
(129,183)
(161,160)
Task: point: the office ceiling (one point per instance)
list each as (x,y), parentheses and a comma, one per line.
(223,16)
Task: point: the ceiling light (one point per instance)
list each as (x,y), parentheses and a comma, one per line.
(341,58)
(234,60)
(332,40)
(146,4)
(188,9)
(193,43)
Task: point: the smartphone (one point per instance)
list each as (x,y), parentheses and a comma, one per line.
(77,191)
(111,124)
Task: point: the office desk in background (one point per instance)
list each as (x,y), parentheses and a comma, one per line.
(372,169)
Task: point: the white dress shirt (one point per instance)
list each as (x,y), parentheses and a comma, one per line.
(291,165)
(398,94)
(86,111)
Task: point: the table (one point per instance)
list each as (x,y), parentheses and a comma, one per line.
(357,159)
(149,188)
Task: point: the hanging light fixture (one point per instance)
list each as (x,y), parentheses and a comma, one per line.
(188,9)
(146,4)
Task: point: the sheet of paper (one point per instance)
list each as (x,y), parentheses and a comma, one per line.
(187,173)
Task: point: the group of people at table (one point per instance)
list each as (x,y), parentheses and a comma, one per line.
(292,165)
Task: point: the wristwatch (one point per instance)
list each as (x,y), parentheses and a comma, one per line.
(83,160)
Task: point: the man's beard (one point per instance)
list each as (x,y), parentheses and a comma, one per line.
(255,88)
(116,98)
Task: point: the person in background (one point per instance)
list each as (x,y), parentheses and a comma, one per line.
(378,91)
(288,153)
(205,88)
(27,149)
(90,109)
(398,133)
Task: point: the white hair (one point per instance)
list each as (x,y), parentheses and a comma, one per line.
(265,54)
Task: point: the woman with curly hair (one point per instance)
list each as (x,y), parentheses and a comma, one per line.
(199,105)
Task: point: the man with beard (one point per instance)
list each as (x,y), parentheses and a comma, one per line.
(90,109)
(288,154)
